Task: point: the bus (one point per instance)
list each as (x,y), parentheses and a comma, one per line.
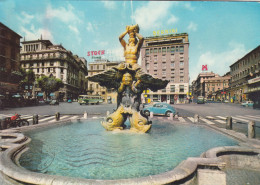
(90,99)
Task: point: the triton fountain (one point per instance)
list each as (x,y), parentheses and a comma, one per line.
(82,152)
(129,80)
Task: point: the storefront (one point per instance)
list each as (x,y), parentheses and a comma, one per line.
(253,91)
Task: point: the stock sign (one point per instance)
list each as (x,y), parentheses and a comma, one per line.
(92,53)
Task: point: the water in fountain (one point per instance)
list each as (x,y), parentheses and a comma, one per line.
(86,150)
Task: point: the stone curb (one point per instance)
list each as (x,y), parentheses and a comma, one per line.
(14,143)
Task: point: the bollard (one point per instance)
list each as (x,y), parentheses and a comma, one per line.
(229,123)
(196,118)
(151,114)
(251,129)
(171,116)
(57,116)
(108,113)
(35,119)
(85,115)
(2,122)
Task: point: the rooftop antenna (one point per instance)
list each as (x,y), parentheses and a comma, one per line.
(24,39)
(41,36)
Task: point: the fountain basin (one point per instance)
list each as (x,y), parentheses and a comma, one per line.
(185,168)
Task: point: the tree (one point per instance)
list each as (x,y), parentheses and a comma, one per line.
(49,84)
(28,78)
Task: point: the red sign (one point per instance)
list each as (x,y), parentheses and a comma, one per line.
(204,67)
(92,53)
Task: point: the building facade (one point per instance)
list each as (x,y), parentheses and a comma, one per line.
(167,57)
(197,85)
(9,61)
(245,77)
(46,59)
(94,88)
(215,88)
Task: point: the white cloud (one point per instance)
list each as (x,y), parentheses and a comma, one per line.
(101,44)
(25,18)
(90,27)
(74,29)
(192,26)
(111,5)
(188,6)
(153,14)
(172,20)
(115,54)
(34,34)
(66,15)
(219,62)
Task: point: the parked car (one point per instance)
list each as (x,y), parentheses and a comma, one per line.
(54,102)
(69,101)
(160,109)
(200,100)
(247,104)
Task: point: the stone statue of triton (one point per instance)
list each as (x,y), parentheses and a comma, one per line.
(129,80)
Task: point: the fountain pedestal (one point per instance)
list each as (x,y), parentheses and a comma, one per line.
(129,80)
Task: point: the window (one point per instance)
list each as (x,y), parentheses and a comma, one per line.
(159,50)
(172,64)
(177,48)
(181,88)
(61,63)
(38,70)
(181,63)
(164,50)
(155,50)
(164,65)
(181,49)
(38,64)
(42,63)
(147,52)
(147,66)
(49,69)
(51,63)
(172,57)
(172,49)
(155,65)
(164,58)
(163,73)
(172,87)
(181,71)
(31,64)
(61,70)
(155,57)
(168,49)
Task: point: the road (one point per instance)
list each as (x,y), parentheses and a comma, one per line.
(210,113)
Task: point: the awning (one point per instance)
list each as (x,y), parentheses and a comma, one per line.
(40,94)
(16,96)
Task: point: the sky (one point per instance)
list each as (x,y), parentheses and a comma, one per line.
(220,33)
